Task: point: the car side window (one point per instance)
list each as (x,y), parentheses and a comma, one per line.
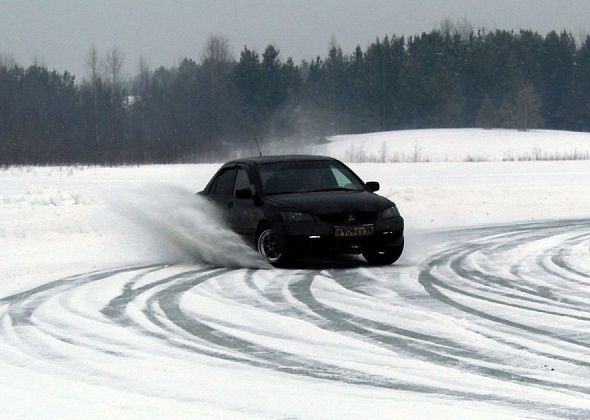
(224,184)
(242,181)
(342,180)
(213,185)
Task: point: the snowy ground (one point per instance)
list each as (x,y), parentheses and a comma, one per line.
(458,145)
(107,310)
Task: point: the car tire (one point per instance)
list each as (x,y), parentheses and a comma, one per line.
(383,257)
(268,247)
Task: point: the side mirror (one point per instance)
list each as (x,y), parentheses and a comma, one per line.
(244,194)
(372,186)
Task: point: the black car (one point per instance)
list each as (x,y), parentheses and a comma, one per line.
(289,205)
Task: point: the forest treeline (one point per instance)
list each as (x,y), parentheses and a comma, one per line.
(216,106)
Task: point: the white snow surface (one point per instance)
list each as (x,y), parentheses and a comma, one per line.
(444,145)
(122,296)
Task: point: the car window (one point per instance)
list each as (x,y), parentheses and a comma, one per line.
(242,181)
(213,185)
(341,179)
(223,186)
(307,176)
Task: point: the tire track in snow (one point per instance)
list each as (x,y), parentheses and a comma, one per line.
(450,278)
(497,318)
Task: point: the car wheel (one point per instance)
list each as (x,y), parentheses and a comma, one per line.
(268,246)
(385,257)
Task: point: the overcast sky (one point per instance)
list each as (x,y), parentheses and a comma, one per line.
(61,32)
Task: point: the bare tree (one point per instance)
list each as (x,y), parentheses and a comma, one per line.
(217,50)
(522,109)
(581,38)
(94,65)
(487,117)
(114,65)
(463,28)
(143,78)
(39,62)
(529,103)
(7,61)
(334,45)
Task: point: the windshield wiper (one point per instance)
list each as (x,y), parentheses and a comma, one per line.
(332,189)
(281,192)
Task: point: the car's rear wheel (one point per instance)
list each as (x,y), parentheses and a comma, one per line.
(269,248)
(383,257)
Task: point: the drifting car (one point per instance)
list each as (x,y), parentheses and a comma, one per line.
(292,205)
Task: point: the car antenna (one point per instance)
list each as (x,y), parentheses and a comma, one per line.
(257,146)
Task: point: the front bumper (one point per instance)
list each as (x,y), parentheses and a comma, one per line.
(318,237)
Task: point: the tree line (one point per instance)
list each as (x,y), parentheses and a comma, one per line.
(219,105)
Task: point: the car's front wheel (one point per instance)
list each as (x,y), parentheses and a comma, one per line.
(383,257)
(269,248)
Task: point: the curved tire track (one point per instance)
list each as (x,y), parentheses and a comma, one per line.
(501,312)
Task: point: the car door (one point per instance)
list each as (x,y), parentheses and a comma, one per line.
(245,212)
(221,193)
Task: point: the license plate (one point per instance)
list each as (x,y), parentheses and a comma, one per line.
(347,231)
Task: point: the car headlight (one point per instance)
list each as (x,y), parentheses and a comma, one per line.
(296,216)
(390,212)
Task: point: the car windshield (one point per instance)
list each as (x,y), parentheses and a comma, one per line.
(307,176)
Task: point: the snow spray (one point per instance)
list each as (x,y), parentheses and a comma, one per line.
(182,227)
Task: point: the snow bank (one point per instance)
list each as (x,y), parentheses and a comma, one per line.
(455,194)
(450,145)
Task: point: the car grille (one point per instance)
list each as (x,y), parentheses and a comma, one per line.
(348,218)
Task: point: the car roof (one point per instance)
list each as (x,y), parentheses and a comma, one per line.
(278,158)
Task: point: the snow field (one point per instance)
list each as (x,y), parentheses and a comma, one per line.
(452,145)
(108,310)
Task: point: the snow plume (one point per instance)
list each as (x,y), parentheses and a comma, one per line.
(180,227)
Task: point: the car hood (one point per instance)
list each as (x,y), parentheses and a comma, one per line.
(332,202)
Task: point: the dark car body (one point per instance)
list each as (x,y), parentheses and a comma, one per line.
(266,193)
